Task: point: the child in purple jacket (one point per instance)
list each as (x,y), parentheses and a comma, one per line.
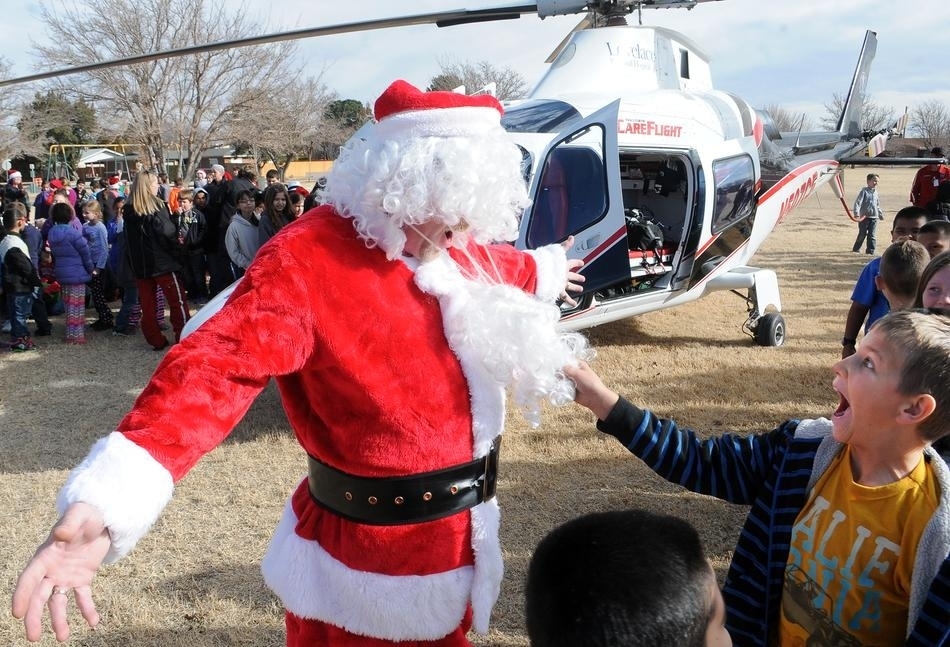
(73,267)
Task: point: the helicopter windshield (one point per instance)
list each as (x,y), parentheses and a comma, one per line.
(538,116)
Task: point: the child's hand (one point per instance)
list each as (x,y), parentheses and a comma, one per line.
(590,390)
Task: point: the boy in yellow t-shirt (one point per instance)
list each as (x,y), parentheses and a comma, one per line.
(847,541)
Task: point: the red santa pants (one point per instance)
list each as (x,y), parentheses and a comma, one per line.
(302,632)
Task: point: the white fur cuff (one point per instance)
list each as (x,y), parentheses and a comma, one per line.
(552,271)
(127,485)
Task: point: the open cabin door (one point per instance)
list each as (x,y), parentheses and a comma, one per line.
(576,192)
(730,212)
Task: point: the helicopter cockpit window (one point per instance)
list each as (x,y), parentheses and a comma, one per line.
(538,117)
(571,195)
(734,180)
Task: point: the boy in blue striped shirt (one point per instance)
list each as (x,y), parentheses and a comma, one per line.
(848,536)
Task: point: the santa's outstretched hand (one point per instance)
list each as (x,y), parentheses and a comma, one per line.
(65,563)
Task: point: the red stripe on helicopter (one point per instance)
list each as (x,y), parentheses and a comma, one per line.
(604,246)
(709,243)
(807,176)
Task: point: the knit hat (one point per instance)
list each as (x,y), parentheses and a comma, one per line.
(217,167)
(405,112)
(55,184)
(14,175)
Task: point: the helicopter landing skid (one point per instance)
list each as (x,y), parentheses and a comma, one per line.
(765,324)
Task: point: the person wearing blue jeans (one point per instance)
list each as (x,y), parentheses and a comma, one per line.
(867,208)
(19,277)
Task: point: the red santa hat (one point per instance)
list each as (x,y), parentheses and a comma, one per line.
(55,184)
(405,112)
(113,181)
(14,175)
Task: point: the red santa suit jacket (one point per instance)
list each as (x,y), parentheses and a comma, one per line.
(370,386)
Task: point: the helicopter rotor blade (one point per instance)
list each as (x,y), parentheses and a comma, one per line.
(440,19)
(586,23)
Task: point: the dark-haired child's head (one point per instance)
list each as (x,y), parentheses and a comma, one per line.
(902,265)
(935,236)
(13,215)
(61,213)
(245,203)
(297,203)
(623,579)
(907,223)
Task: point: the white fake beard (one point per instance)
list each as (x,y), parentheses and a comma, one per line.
(512,333)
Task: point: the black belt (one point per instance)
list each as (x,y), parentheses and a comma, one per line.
(405,499)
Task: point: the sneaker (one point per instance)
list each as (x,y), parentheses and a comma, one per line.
(22,344)
(121,332)
(101,325)
(43,332)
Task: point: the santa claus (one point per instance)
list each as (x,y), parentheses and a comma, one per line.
(392,325)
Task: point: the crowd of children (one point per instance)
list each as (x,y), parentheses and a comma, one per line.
(79,252)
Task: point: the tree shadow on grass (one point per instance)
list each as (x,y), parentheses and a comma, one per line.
(180,637)
(70,398)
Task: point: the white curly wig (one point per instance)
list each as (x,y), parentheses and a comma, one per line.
(454,165)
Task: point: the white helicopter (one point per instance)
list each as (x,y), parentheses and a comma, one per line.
(667,185)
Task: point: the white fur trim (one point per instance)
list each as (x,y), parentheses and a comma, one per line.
(813,428)
(441,278)
(463,121)
(311,583)
(552,271)
(489,566)
(127,485)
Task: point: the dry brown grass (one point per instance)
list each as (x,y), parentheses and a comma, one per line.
(194,580)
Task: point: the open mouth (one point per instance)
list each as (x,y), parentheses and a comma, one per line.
(843,405)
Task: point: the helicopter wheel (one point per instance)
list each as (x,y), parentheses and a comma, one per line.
(770,330)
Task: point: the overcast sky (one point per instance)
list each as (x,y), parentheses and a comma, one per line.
(795,54)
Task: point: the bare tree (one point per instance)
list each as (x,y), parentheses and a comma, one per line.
(787,121)
(508,83)
(11,144)
(52,118)
(175,102)
(341,119)
(287,128)
(930,121)
(873,115)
